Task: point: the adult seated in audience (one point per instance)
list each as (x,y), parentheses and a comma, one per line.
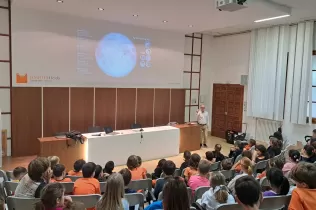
(248,193)
(246,169)
(113,197)
(168,168)
(236,150)
(252,144)
(193,166)
(18,173)
(303,196)
(54,160)
(278,135)
(175,196)
(59,174)
(38,176)
(132,165)
(210,157)
(186,159)
(279,183)
(237,165)
(127,177)
(202,178)
(77,168)
(88,184)
(293,160)
(272,163)
(140,162)
(308,154)
(226,164)
(217,194)
(260,154)
(98,174)
(52,198)
(158,170)
(217,153)
(275,147)
(108,169)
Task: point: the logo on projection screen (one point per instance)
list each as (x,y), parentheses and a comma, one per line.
(116,55)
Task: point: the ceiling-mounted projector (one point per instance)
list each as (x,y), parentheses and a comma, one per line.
(230,5)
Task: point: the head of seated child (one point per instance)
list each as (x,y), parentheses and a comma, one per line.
(261,152)
(210,156)
(139,160)
(52,197)
(308,151)
(88,170)
(19,172)
(39,169)
(279,183)
(108,168)
(217,148)
(247,153)
(252,142)
(217,180)
(59,172)
(194,161)
(227,164)
(127,176)
(186,156)
(204,168)
(248,192)
(169,168)
(78,165)
(237,146)
(54,160)
(132,162)
(98,174)
(304,175)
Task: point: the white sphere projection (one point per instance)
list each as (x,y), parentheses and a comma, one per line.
(116,55)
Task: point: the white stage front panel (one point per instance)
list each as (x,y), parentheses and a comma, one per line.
(157,142)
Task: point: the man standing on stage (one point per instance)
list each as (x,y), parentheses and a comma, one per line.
(203,121)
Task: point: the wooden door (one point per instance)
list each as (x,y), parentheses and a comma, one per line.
(227,109)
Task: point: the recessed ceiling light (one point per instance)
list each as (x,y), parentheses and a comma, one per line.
(60,1)
(165,21)
(272,18)
(190,26)
(101,9)
(135,15)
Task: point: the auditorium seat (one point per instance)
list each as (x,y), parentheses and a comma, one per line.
(142,184)
(260,166)
(234,206)
(10,187)
(215,166)
(275,202)
(200,191)
(69,187)
(89,200)
(229,174)
(10,175)
(17,203)
(135,199)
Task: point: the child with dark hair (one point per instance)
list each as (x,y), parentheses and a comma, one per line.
(294,159)
(140,162)
(201,179)
(275,147)
(217,153)
(18,173)
(158,169)
(226,164)
(98,174)
(251,144)
(127,177)
(236,150)
(193,166)
(280,184)
(248,193)
(168,168)
(77,168)
(210,157)
(108,169)
(88,184)
(308,154)
(59,173)
(132,165)
(303,196)
(186,158)
(260,154)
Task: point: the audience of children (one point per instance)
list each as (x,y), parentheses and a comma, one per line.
(272,163)
(18,173)
(303,196)
(236,150)
(217,153)
(260,154)
(168,168)
(87,184)
(210,157)
(158,170)
(279,183)
(186,159)
(132,165)
(202,178)
(294,158)
(54,160)
(193,166)
(217,194)
(308,154)
(252,144)
(77,168)
(59,174)
(237,166)
(275,147)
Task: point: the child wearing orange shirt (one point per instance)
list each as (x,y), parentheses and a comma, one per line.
(139,160)
(303,197)
(132,165)
(59,174)
(77,168)
(251,143)
(193,166)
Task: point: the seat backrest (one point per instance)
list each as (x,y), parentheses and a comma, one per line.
(102,187)
(177,172)
(88,200)
(275,202)
(94,129)
(73,178)
(229,174)
(190,195)
(69,187)
(3,175)
(140,184)
(234,206)
(260,165)
(10,175)
(10,187)
(160,196)
(200,191)
(135,199)
(215,166)
(238,158)
(264,182)
(182,173)
(16,203)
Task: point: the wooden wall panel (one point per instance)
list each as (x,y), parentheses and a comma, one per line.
(81,106)
(105,99)
(26,120)
(162,105)
(125,115)
(145,105)
(177,105)
(55,110)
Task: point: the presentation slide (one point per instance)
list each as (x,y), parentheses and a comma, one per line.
(59,50)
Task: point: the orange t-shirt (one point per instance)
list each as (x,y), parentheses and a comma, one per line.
(188,172)
(63,180)
(138,174)
(263,174)
(86,186)
(303,199)
(73,173)
(247,147)
(144,170)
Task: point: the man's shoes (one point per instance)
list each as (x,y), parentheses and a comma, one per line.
(204,145)
(200,145)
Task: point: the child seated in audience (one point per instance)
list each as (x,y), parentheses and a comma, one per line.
(260,154)
(127,177)
(98,174)
(54,160)
(275,147)
(280,184)
(217,153)
(237,166)
(59,174)
(251,144)
(158,169)
(248,193)
(18,173)
(108,169)
(272,163)
(139,160)
(193,166)
(132,165)
(217,194)
(186,158)
(303,196)
(308,154)
(235,150)
(202,178)
(88,184)
(294,159)
(168,168)
(77,168)
(38,176)
(226,164)
(210,157)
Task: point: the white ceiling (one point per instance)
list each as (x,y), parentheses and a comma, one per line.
(202,14)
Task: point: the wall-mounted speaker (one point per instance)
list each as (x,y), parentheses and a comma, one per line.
(244,80)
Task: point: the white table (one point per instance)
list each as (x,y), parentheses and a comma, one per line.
(157,142)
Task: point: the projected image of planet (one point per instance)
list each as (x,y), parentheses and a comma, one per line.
(116,55)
